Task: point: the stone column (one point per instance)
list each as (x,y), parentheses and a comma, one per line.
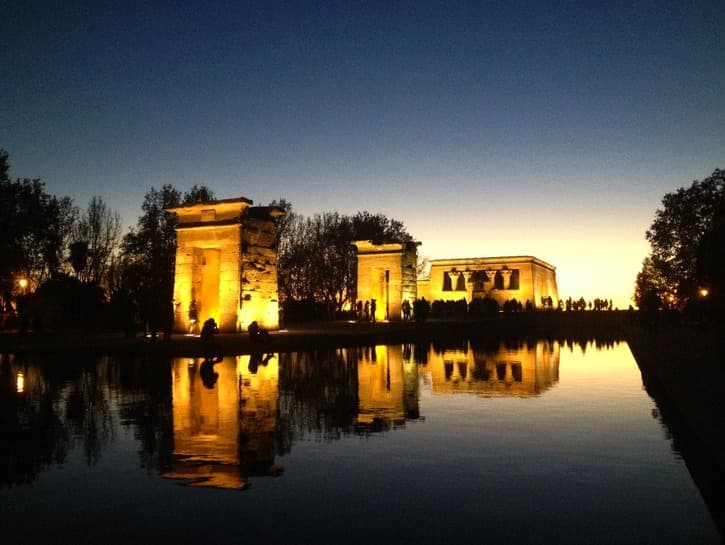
(453,275)
(469,285)
(506,273)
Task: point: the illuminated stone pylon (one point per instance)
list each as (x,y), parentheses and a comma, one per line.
(226,265)
(387,274)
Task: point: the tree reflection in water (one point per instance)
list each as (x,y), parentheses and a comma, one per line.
(77,402)
(317,395)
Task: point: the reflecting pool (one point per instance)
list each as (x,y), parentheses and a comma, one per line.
(472,441)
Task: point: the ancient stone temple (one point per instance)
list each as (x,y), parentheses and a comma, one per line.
(524,278)
(386,274)
(226,265)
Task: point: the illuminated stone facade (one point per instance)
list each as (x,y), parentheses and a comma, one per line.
(386,273)
(226,265)
(524,278)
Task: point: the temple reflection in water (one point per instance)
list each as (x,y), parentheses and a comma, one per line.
(387,387)
(502,369)
(231,418)
(224,414)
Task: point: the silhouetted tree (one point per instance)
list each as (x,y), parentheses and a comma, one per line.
(148,255)
(317,261)
(149,252)
(62,217)
(66,302)
(198,194)
(674,236)
(710,266)
(78,256)
(35,227)
(96,240)
(650,281)
(710,263)
(283,222)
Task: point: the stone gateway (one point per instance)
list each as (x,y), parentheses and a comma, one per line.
(386,277)
(226,265)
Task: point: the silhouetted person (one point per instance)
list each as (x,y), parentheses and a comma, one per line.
(367,310)
(373,307)
(207,337)
(406,310)
(256,333)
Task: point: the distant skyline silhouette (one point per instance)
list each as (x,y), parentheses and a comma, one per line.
(488,129)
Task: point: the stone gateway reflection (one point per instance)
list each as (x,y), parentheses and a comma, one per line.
(224,430)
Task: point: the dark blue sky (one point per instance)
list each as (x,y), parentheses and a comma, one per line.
(488,128)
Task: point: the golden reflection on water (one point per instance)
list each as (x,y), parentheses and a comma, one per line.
(224,415)
(387,387)
(505,370)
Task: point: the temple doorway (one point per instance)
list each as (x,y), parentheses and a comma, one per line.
(382,294)
(208,270)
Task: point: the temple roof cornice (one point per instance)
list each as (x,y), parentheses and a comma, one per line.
(483,262)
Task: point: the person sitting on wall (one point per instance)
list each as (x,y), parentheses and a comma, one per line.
(207,336)
(256,333)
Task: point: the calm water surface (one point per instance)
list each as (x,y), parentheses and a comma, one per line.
(474,442)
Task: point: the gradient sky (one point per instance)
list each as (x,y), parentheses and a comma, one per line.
(489,128)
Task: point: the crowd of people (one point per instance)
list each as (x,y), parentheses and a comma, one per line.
(366,311)
(597,304)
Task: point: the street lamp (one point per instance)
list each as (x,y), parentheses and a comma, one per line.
(23,283)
